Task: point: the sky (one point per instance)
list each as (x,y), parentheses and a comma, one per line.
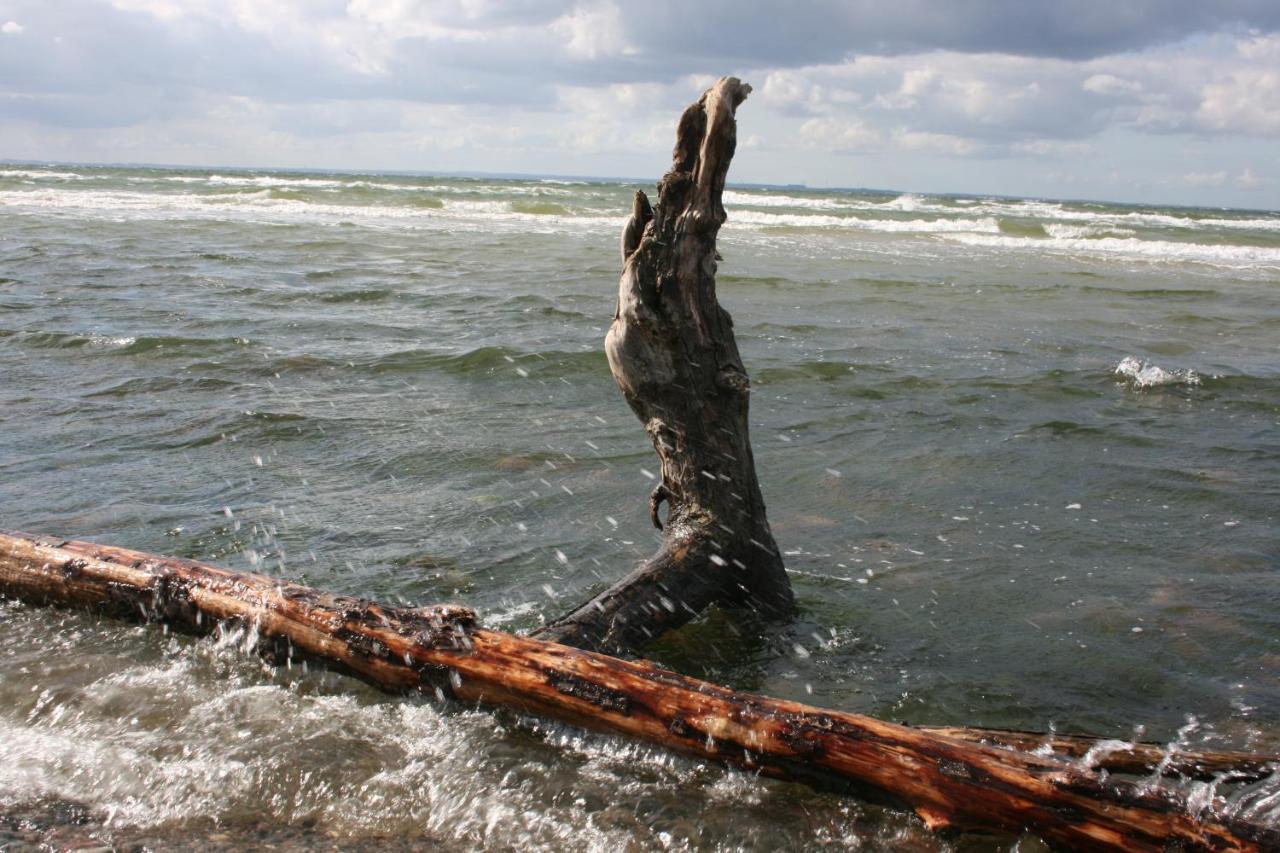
(1161,101)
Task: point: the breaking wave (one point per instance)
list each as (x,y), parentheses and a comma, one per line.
(892,226)
(1150,250)
(1141,374)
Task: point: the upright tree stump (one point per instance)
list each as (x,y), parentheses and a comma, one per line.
(672,352)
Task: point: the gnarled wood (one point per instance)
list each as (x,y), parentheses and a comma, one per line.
(948,781)
(672,352)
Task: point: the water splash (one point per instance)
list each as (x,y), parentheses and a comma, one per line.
(1141,374)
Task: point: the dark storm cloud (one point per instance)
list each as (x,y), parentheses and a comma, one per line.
(519,51)
(794,34)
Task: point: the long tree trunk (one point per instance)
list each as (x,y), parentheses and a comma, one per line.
(948,781)
(672,352)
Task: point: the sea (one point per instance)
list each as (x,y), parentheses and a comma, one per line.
(1022,457)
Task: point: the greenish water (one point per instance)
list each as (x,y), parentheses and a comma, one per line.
(1023,456)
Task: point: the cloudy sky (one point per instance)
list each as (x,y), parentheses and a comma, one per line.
(1134,100)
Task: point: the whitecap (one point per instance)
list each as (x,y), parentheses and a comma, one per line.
(1141,374)
(1155,251)
(755,199)
(893,226)
(42,174)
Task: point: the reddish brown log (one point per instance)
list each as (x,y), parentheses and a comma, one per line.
(948,781)
(1117,756)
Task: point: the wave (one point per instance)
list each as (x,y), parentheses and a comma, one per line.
(1148,250)
(266,204)
(893,226)
(271,181)
(1140,374)
(161,385)
(909,202)
(804,371)
(124,344)
(539,208)
(42,174)
(1026,209)
(488,360)
(405,185)
(735,197)
(1085,232)
(372,294)
(1022,228)
(1133,218)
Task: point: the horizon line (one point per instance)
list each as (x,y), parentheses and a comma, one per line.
(616,179)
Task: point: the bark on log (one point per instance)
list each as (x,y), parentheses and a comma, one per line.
(1117,756)
(672,352)
(948,781)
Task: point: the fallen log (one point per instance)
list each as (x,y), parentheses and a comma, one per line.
(948,781)
(1117,756)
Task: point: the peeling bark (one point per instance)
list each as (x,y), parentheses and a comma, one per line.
(947,781)
(672,351)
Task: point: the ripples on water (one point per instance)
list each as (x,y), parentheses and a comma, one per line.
(1022,456)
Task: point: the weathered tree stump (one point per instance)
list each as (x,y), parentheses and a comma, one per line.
(672,352)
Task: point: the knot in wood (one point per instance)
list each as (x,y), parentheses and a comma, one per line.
(443,626)
(733,379)
(604,698)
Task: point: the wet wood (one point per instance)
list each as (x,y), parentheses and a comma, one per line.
(1118,756)
(947,780)
(672,352)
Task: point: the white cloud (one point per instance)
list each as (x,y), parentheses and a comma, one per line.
(1246,100)
(1247,180)
(1109,84)
(841,136)
(916,83)
(1205,179)
(594,31)
(12,28)
(936,143)
(1054,148)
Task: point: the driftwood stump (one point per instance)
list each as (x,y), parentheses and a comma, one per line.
(672,352)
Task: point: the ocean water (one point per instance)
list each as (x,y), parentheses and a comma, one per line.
(1023,457)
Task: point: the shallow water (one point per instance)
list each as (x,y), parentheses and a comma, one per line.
(1023,457)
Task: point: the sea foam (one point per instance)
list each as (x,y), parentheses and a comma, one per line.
(1141,374)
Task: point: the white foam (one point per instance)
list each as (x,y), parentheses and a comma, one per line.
(114,343)
(269,181)
(260,206)
(893,226)
(135,743)
(41,174)
(756,199)
(907,202)
(1141,374)
(1153,251)
(1079,232)
(1133,218)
